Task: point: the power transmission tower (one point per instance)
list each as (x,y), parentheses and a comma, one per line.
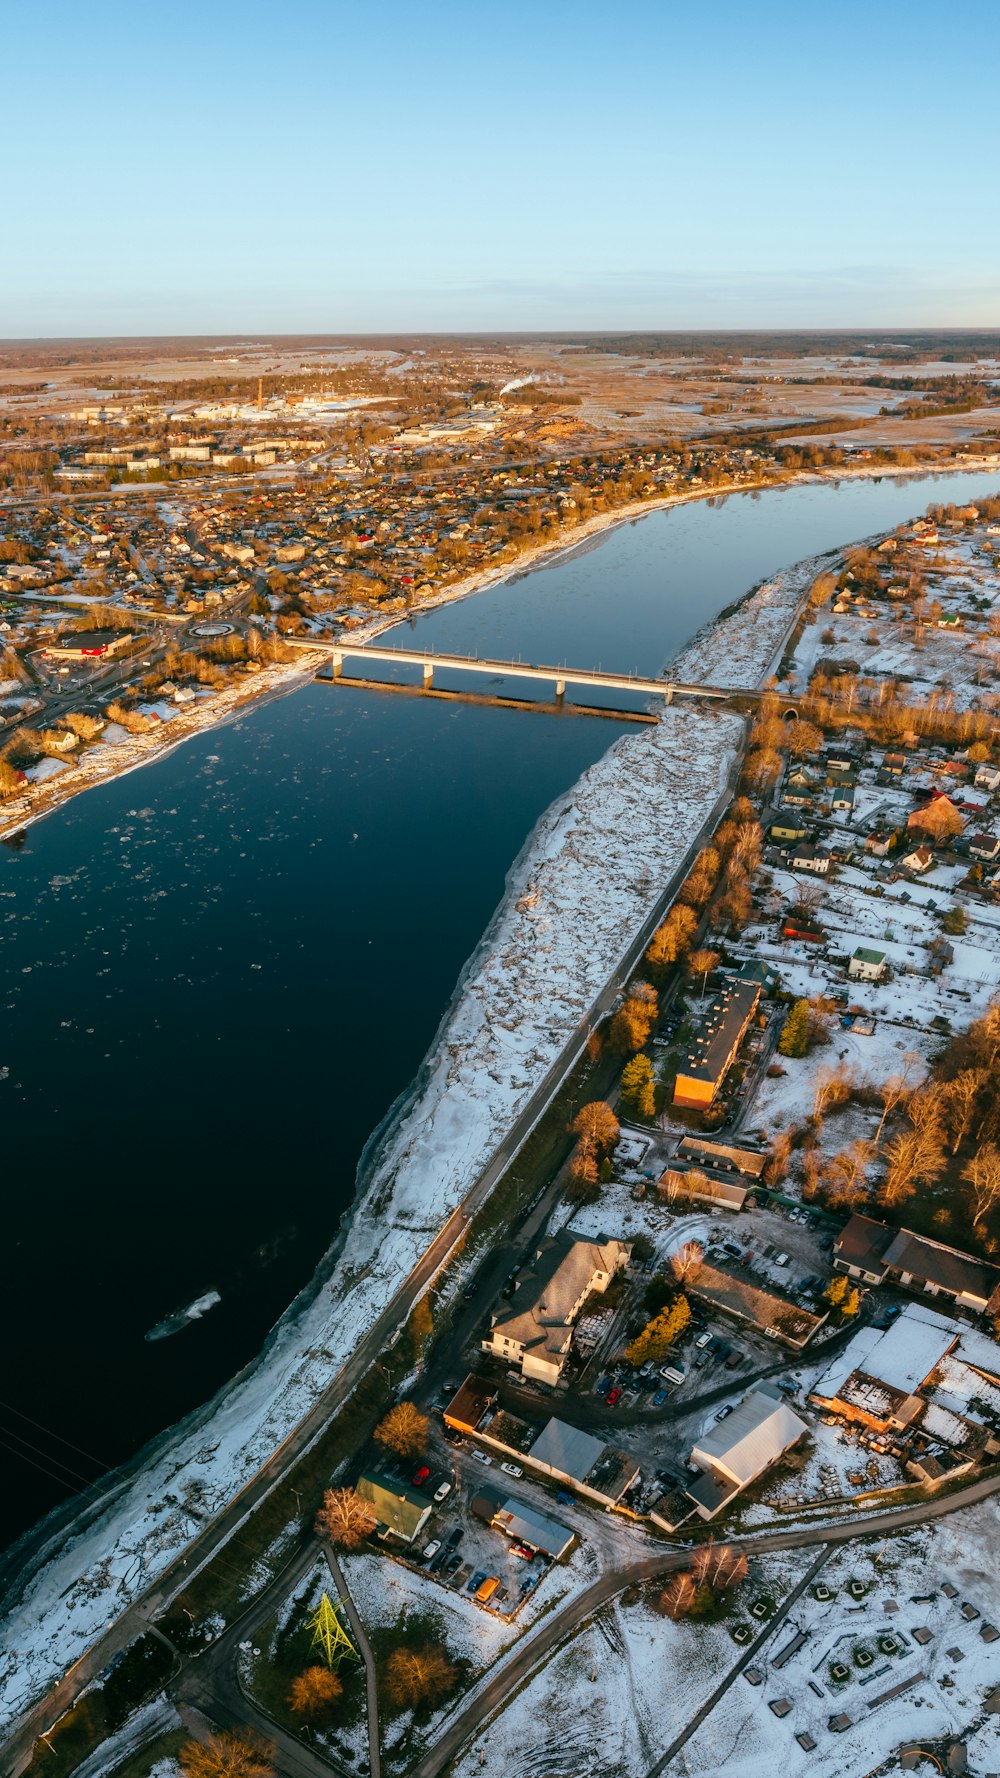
(329,1635)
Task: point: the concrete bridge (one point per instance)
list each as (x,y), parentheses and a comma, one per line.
(559,677)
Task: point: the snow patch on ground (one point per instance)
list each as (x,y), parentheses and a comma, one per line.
(582,886)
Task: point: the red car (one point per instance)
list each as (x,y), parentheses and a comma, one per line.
(420,1477)
(613,1396)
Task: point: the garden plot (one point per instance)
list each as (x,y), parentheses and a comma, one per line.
(896,1658)
(612,1701)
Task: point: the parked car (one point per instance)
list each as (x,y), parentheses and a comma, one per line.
(659,1398)
(421,1476)
(454,1537)
(431,1549)
(453,1564)
(703,1340)
(473,1585)
(522,1550)
(724,1413)
(482,1457)
(513,1469)
(603,1386)
(442,1493)
(613,1397)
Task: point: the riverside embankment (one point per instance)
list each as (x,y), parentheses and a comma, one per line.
(101,1567)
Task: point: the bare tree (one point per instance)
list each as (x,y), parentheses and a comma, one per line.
(719,1566)
(702,963)
(239,1755)
(678,1596)
(960,1097)
(686,1263)
(404,1430)
(313,1691)
(414,1675)
(345,1518)
(982,1174)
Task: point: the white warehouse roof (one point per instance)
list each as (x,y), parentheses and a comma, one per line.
(753,1436)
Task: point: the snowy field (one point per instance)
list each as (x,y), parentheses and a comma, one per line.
(952,1671)
(612,1702)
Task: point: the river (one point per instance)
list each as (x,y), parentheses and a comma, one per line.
(220,971)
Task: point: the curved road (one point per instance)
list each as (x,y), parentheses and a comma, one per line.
(42,1715)
(536,1650)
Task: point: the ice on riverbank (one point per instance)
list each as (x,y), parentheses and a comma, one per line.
(589,876)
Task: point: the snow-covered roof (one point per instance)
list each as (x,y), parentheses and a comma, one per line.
(902,1357)
(752,1437)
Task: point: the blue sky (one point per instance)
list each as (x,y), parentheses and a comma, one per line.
(325,167)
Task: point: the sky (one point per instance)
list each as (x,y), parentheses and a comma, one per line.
(319,166)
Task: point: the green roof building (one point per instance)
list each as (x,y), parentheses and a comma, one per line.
(401,1509)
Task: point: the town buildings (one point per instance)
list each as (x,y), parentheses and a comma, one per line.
(714,1050)
(742,1447)
(536,1332)
(875,1253)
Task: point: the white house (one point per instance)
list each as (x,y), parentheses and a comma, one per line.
(867,965)
(737,1450)
(536,1332)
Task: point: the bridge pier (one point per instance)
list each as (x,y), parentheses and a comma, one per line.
(428,675)
(560,690)
(338,664)
(668,695)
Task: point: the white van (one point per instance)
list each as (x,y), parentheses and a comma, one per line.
(671,1374)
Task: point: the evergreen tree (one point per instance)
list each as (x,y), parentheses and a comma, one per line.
(658,1335)
(638,1086)
(794,1039)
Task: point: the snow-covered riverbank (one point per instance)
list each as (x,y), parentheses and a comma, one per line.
(587,878)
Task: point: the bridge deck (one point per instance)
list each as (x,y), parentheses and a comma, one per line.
(560,675)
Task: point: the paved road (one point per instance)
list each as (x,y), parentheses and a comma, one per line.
(46,1710)
(533,1653)
(371,1672)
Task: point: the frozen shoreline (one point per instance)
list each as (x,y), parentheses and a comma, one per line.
(572,903)
(651,797)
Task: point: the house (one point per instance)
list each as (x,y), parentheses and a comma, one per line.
(568,1454)
(894,764)
(843,799)
(470,1404)
(877,1253)
(949,620)
(987,776)
(755,970)
(699,1186)
(725,1157)
(876,1379)
(985,846)
(810,935)
(737,1451)
(919,860)
(402,1511)
(879,845)
(784,828)
(522,1524)
(811,858)
(867,965)
(536,1331)
(712,1053)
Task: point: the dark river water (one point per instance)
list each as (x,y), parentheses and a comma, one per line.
(218,973)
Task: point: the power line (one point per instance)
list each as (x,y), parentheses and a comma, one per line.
(42,1466)
(20,1439)
(56,1435)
